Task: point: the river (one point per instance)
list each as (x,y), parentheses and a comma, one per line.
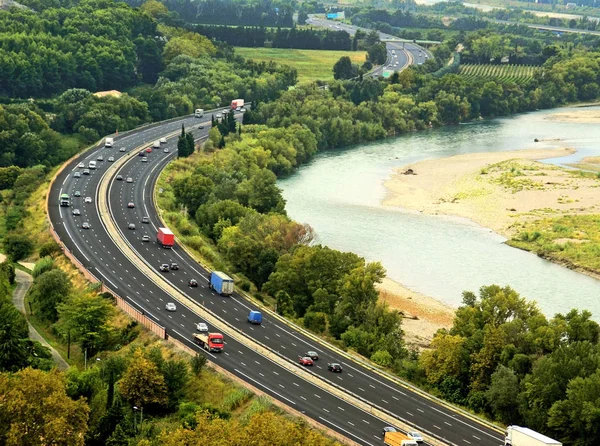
(339,195)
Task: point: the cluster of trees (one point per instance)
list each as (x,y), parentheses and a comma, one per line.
(97,44)
(310,39)
(185,144)
(231,12)
(503,357)
(370,18)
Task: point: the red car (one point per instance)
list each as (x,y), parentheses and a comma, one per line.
(149,150)
(305,360)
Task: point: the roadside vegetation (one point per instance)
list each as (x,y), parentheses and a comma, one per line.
(518,74)
(311,65)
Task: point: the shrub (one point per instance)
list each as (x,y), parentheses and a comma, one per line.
(17,246)
(42,265)
(382,358)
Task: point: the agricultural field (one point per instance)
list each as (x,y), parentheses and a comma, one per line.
(312,65)
(515,73)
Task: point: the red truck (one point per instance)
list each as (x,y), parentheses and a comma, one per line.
(165,238)
(211,342)
(237,103)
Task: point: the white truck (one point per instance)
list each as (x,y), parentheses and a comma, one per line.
(523,436)
(199,113)
(92,165)
(108,142)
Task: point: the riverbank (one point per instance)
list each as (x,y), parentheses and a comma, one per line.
(423,315)
(501,191)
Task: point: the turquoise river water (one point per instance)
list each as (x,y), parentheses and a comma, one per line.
(339,195)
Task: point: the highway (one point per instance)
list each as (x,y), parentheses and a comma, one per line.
(102,256)
(400,54)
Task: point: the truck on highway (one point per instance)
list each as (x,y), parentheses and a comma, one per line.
(165,238)
(398,439)
(92,165)
(64,200)
(108,142)
(237,103)
(199,113)
(221,283)
(211,342)
(255,317)
(523,436)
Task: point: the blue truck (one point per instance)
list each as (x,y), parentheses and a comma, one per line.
(255,317)
(221,283)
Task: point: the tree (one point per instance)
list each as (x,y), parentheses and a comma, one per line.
(198,362)
(85,319)
(343,69)
(49,249)
(36,408)
(176,374)
(142,383)
(49,290)
(502,395)
(14,331)
(17,246)
(447,357)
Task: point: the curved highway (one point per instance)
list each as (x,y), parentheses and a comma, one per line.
(101,255)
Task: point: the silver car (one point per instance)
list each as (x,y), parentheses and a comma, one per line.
(170,306)
(202,327)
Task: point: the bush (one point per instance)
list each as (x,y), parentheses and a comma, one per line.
(316,321)
(382,358)
(42,265)
(236,398)
(17,246)
(9,271)
(49,249)
(198,363)
(245,285)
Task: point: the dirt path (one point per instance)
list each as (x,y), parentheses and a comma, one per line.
(24,281)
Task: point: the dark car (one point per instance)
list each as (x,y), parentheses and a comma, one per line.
(142,153)
(164,268)
(305,360)
(130,205)
(119,178)
(312,354)
(334,367)
(174,266)
(193,283)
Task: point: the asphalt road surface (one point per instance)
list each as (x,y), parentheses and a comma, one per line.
(97,250)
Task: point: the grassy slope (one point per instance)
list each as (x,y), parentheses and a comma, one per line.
(312,65)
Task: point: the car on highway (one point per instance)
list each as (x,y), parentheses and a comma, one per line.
(174,266)
(77,194)
(312,354)
(163,140)
(81,165)
(193,283)
(131,226)
(201,326)
(130,205)
(142,153)
(111,159)
(85,172)
(170,306)
(100,158)
(305,360)
(388,429)
(146,220)
(164,267)
(87,200)
(76,212)
(119,178)
(149,150)
(77,175)
(334,367)
(129,180)
(415,436)
(243,109)
(218,116)
(146,238)
(85,225)
(165,150)
(122,149)
(144,160)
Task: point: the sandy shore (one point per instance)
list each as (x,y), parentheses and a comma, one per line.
(423,315)
(578,116)
(498,190)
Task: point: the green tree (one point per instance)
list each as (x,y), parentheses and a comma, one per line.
(17,246)
(502,395)
(142,383)
(14,354)
(198,362)
(176,374)
(48,291)
(343,68)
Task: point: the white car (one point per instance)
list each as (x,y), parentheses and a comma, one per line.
(129,180)
(88,199)
(144,160)
(415,436)
(81,165)
(111,159)
(163,140)
(170,306)
(122,149)
(201,326)
(165,150)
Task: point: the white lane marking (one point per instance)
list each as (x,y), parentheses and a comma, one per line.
(345,431)
(268,388)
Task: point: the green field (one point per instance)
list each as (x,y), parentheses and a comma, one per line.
(312,65)
(515,73)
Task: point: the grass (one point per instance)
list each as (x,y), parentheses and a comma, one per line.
(312,65)
(573,240)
